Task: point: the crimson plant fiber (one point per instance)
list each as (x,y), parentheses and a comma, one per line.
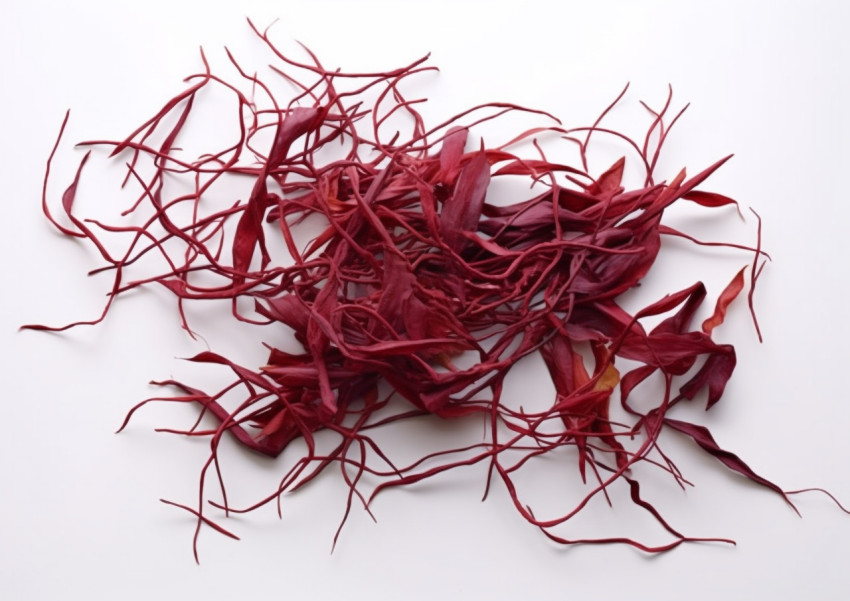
(418,294)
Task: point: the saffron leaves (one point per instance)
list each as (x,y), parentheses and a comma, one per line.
(417,295)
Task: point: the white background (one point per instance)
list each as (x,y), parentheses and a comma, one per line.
(79,515)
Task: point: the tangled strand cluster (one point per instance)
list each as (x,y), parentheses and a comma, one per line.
(414,274)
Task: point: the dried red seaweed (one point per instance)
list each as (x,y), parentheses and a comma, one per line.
(415,270)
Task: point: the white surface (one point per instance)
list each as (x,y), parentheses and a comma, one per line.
(79,516)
